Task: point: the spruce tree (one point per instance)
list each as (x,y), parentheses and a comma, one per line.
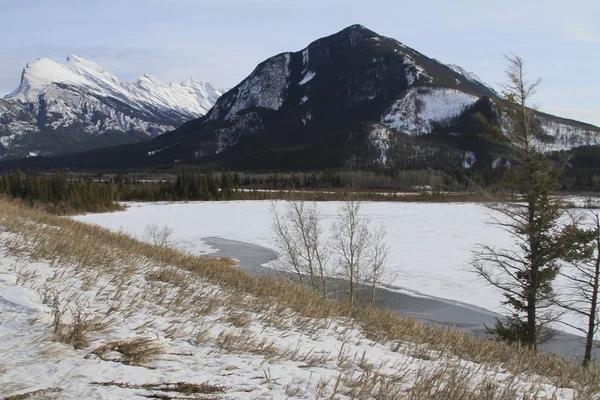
(524,273)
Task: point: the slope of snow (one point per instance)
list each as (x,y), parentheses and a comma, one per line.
(567,136)
(470,76)
(190,97)
(265,88)
(307,78)
(79,99)
(275,355)
(421,107)
(414,72)
(206,333)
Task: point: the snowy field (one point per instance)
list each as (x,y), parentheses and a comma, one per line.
(430,244)
(201,333)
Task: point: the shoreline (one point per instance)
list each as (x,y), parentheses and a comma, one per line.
(431,310)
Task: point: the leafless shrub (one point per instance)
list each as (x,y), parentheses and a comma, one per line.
(157,235)
(360,253)
(354,252)
(82,323)
(297,234)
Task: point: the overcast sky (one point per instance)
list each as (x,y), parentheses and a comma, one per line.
(222,41)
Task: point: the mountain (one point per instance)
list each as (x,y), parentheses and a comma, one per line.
(76,106)
(354,99)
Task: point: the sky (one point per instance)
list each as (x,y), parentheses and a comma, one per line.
(222,41)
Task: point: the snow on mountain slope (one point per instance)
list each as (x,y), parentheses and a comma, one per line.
(71,103)
(189,97)
(471,76)
(266,89)
(567,136)
(422,107)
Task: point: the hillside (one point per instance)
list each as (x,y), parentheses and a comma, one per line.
(110,317)
(77,106)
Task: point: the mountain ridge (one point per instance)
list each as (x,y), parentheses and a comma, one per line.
(78,105)
(354,99)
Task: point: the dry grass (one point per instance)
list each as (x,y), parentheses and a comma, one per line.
(170,275)
(131,352)
(164,389)
(36,394)
(96,251)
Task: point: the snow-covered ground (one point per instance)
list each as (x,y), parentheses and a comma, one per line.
(431,244)
(202,333)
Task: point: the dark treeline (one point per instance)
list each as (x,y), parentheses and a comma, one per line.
(582,180)
(66,194)
(186,186)
(197,184)
(59,193)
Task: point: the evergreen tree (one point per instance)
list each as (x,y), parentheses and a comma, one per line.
(525,273)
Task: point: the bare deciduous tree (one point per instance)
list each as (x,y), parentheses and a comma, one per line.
(582,282)
(360,253)
(350,240)
(297,235)
(157,235)
(353,253)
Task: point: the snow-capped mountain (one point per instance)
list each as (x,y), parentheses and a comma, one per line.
(354,99)
(61,108)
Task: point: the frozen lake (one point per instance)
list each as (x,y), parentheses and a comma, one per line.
(430,244)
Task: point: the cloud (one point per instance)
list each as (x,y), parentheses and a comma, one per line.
(581,33)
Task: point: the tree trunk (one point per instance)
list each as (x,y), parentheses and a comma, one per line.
(589,343)
(531,334)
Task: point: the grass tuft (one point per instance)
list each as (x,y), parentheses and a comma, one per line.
(130,352)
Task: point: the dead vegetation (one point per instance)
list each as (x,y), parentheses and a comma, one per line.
(137,352)
(242,301)
(164,390)
(36,394)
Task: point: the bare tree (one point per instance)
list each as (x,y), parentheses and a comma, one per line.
(360,254)
(525,273)
(157,235)
(582,282)
(297,234)
(377,272)
(357,253)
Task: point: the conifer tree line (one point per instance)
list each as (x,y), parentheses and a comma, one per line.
(58,192)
